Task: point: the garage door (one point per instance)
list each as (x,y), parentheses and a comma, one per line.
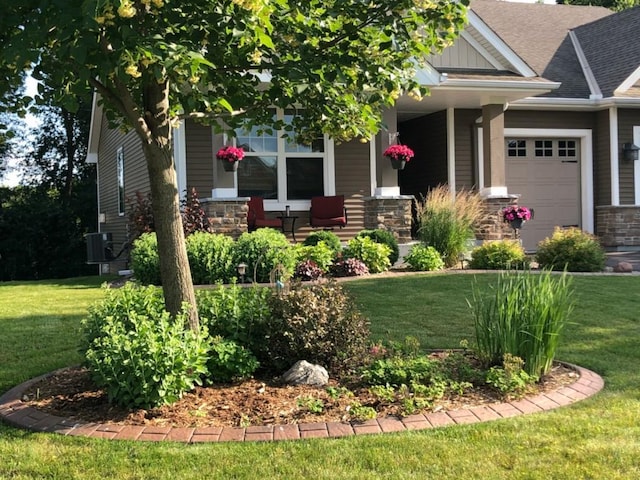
(546,173)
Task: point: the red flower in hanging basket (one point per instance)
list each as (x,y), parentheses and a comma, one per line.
(230,154)
(513,212)
(399,152)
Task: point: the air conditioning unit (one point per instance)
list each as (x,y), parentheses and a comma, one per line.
(99,247)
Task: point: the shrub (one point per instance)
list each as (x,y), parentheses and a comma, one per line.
(320,253)
(230,361)
(331,239)
(499,255)
(194,218)
(423,258)
(145,261)
(140,214)
(349,267)
(235,313)
(385,237)
(264,251)
(374,255)
(138,353)
(307,270)
(509,378)
(571,249)
(523,316)
(210,258)
(446,223)
(317,323)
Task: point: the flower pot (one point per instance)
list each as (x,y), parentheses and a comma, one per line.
(516,223)
(229,166)
(397,164)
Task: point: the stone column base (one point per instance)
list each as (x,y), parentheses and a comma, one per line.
(492,226)
(227,216)
(618,227)
(389,213)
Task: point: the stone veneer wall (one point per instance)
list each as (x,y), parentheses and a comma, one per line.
(228,216)
(618,227)
(492,226)
(389,213)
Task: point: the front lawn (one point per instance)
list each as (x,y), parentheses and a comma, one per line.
(596,438)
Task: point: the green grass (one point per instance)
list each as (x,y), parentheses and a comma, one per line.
(593,439)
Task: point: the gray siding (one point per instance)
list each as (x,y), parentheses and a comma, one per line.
(530,119)
(466,127)
(200,158)
(601,160)
(135,179)
(427,136)
(626,121)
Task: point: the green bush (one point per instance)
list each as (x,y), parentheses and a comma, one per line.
(264,251)
(510,379)
(210,258)
(145,261)
(235,313)
(349,267)
(374,255)
(317,323)
(523,315)
(446,223)
(385,237)
(138,353)
(423,258)
(320,253)
(499,255)
(230,361)
(327,236)
(571,249)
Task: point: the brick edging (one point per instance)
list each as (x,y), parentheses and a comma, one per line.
(18,414)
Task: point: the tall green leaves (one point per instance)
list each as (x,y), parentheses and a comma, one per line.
(523,315)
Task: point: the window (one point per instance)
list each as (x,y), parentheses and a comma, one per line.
(566,148)
(120,179)
(517,148)
(544,148)
(280,170)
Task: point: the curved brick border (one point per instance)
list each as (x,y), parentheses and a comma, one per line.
(16,413)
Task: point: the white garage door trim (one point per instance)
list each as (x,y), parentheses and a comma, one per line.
(586,162)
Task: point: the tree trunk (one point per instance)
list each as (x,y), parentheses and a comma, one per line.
(174,265)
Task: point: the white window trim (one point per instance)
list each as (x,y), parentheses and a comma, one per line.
(180,158)
(585,137)
(120,176)
(328,172)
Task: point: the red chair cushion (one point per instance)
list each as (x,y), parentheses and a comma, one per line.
(328,207)
(269,222)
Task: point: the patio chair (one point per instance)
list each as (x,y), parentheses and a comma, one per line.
(256,217)
(328,212)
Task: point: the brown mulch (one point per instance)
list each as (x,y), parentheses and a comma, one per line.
(70,393)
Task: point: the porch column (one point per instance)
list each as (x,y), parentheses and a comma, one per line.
(386,177)
(495,179)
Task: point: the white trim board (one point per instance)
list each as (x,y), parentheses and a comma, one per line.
(636,165)
(586,163)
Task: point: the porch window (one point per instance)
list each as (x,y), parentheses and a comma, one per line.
(516,148)
(279,169)
(544,148)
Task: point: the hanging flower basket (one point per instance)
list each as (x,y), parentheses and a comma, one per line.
(230,156)
(516,216)
(399,155)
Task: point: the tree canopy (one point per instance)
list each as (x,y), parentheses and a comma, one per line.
(227,62)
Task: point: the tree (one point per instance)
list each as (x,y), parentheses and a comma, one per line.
(227,62)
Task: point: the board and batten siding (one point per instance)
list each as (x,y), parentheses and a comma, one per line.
(460,55)
(427,136)
(136,179)
(200,158)
(627,119)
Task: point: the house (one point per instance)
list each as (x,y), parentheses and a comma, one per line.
(534,103)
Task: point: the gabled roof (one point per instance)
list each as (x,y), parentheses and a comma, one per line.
(611,52)
(539,34)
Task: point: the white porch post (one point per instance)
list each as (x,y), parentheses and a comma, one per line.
(386,177)
(613,155)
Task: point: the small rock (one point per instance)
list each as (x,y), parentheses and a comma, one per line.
(305,373)
(623,267)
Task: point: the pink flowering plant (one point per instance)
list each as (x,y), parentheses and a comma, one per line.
(230,154)
(514,212)
(399,153)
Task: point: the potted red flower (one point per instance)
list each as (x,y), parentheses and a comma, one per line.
(230,156)
(399,155)
(516,215)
